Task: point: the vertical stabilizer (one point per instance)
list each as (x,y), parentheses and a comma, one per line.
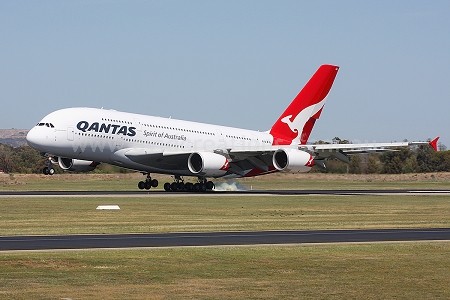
(296,123)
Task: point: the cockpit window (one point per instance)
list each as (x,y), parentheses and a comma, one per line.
(46,125)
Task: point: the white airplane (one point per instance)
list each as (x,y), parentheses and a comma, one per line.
(78,139)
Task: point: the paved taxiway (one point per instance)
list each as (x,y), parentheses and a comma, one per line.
(219,238)
(138,193)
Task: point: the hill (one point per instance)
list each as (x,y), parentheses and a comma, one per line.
(13,137)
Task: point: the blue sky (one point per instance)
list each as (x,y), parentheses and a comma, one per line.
(236,63)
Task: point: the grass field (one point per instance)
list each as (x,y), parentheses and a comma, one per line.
(356,271)
(62,215)
(340,271)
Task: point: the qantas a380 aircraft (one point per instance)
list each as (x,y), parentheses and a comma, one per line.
(78,139)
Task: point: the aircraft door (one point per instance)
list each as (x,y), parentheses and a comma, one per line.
(118,141)
(221,144)
(70,134)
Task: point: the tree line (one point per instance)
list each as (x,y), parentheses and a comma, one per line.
(419,159)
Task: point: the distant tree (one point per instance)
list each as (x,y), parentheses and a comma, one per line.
(354,166)
(335,166)
(337,140)
(28,160)
(6,160)
(440,161)
(373,164)
(410,165)
(394,161)
(320,142)
(425,159)
(23,159)
(445,160)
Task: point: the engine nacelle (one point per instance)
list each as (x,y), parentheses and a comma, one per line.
(292,160)
(76,165)
(208,164)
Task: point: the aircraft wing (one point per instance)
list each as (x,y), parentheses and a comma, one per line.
(241,161)
(159,160)
(257,161)
(340,151)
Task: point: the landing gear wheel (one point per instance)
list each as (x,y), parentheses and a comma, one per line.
(141,185)
(189,187)
(147,185)
(174,186)
(167,187)
(180,186)
(48,171)
(154,183)
(209,185)
(196,187)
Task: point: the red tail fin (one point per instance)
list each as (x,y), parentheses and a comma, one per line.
(295,124)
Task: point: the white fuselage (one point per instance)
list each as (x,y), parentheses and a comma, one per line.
(103,135)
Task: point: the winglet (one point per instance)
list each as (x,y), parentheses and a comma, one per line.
(434,144)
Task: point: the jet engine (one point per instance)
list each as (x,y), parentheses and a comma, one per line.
(208,164)
(292,160)
(76,165)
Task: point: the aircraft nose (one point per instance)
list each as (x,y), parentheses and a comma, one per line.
(34,139)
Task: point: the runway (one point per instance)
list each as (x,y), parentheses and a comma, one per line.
(219,238)
(138,193)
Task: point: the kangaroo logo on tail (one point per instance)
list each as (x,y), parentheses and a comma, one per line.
(300,116)
(287,120)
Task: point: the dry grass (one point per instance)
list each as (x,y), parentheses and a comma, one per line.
(357,271)
(282,181)
(19,216)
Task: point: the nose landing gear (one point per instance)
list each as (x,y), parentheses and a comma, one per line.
(48,169)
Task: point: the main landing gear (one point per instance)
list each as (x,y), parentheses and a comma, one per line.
(148,183)
(179,185)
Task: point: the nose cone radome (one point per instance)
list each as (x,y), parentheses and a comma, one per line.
(34,139)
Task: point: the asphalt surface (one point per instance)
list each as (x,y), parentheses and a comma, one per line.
(243,193)
(218,238)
